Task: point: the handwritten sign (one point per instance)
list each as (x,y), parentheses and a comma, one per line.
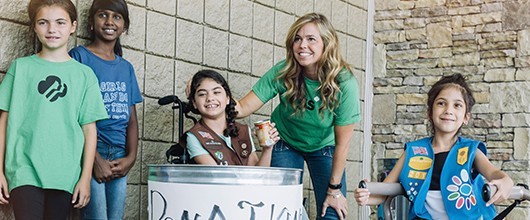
(168,201)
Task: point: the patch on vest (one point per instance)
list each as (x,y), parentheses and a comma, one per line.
(420,163)
(244,153)
(417,175)
(420,151)
(219,155)
(212,142)
(205,134)
(412,192)
(461,190)
(462,155)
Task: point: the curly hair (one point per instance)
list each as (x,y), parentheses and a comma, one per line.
(328,68)
(231,113)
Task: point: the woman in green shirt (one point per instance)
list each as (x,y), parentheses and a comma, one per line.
(319,105)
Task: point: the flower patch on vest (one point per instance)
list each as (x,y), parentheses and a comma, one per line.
(462,191)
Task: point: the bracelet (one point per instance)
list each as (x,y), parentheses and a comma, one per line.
(334,186)
(335,195)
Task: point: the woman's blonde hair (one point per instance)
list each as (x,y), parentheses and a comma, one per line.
(327,68)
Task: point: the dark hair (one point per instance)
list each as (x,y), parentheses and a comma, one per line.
(35,6)
(119,6)
(231,113)
(457,81)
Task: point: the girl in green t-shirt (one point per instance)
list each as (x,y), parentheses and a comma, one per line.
(47,156)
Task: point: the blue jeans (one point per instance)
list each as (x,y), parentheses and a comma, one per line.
(107,199)
(319,164)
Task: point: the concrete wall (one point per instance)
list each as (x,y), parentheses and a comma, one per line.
(416,42)
(170,40)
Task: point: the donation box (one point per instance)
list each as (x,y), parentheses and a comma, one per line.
(198,192)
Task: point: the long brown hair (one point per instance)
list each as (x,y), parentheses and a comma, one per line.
(328,67)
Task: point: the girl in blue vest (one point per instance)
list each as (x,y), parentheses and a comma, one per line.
(217,138)
(443,174)
(117,136)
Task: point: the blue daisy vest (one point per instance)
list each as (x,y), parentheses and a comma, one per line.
(460,186)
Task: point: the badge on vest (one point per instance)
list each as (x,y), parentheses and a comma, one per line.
(205,134)
(412,192)
(244,153)
(420,151)
(219,155)
(462,155)
(212,142)
(420,162)
(417,175)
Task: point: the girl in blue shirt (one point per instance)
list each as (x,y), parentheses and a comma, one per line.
(117,136)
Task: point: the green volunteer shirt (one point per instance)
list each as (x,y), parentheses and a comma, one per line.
(309,131)
(47,103)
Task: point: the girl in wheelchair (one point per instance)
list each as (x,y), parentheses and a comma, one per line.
(443,175)
(217,139)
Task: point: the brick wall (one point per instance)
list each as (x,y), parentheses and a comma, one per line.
(418,41)
(170,40)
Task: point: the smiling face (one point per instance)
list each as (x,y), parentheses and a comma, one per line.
(211,99)
(308,47)
(53,27)
(108,25)
(449,111)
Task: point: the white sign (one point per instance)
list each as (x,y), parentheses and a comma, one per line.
(172,201)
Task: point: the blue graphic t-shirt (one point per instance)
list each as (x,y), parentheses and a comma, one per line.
(119,89)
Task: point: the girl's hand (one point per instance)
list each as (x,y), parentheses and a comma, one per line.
(504,188)
(362,195)
(273,133)
(337,201)
(102,170)
(121,167)
(81,195)
(4,190)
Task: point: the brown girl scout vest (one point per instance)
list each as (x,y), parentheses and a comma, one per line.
(217,147)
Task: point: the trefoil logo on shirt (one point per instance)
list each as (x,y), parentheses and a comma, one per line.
(52,88)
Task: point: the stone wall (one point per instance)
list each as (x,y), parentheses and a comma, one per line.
(170,40)
(418,41)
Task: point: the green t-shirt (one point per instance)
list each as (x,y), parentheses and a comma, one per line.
(47,104)
(309,131)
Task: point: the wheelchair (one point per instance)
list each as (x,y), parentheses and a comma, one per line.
(519,194)
(177,153)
